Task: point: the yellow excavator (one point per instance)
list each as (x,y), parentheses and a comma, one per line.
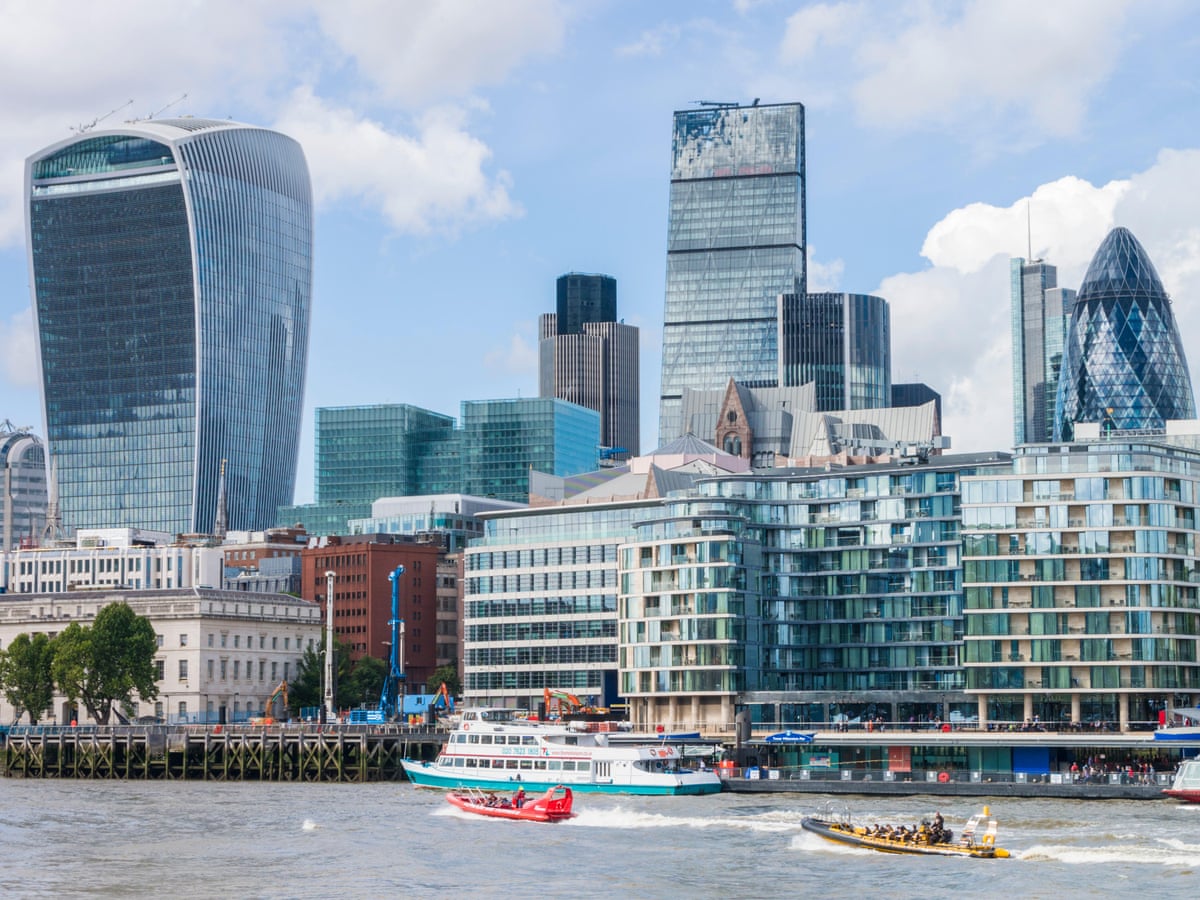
(268,707)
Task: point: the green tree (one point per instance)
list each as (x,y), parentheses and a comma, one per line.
(26,676)
(447,675)
(364,684)
(107,662)
(308,687)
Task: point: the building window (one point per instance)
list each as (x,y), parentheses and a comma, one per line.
(210,640)
(158,640)
(237,669)
(159,669)
(224,669)
(210,670)
(183,670)
(183,640)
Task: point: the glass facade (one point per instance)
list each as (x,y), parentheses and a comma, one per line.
(1080,581)
(1041,312)
(172,282)
(364,453)
(843,344)
(735,242)
(1123,364)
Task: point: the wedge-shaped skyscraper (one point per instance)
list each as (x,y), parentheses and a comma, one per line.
(172,284)
(1123,362)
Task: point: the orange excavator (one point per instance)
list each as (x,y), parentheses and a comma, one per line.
(561,702)
(267,717)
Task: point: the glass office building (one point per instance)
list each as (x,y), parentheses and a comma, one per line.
(843,344)
(1041,312)
(735,243)
(172,284)
(1123,364)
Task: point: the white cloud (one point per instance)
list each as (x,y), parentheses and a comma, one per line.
(831,24)
(404,47)
(651,42)
(518,358)
(950,323)
(433,180)
(823,276)
(918,64)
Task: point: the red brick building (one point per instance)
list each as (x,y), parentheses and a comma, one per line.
(362,596)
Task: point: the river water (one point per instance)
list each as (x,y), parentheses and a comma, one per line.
(63,838)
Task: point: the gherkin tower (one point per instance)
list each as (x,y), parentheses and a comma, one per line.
(1123,362)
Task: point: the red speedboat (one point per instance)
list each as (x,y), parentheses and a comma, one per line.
(551,806)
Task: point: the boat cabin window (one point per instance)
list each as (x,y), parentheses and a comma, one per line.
(497,715)
(529,740)
(473,738)
(487,739)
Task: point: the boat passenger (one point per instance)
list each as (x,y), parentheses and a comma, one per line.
(519,798)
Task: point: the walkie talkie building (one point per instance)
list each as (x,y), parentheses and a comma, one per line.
(172,286)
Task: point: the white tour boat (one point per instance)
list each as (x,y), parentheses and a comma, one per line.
(494,748)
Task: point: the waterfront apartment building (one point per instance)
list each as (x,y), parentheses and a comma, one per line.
(735,243)
(362,596)
(587,357)
(802,595)
(171,273)
(1081,582)
(1124,365)
(24,497)
(220,654)
(1041,311)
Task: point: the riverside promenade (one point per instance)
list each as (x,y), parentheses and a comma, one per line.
(962,763)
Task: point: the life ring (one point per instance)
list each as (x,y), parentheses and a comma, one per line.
(943,777)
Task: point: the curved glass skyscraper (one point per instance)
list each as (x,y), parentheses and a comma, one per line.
(172,284)
(1123,361)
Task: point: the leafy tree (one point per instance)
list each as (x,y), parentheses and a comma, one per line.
(107,662)
(363,686)
(447,675)
(308,687)
(25,674)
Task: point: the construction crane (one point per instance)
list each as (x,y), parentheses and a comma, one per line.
(84,128)
(391,698)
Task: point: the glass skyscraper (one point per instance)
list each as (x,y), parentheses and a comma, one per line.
(735,243)
(1040,313)
(843,344)
(1123,363)
(172,284)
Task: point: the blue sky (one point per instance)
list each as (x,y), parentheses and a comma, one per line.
(465,154)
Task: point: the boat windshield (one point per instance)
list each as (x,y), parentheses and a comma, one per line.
(498,715)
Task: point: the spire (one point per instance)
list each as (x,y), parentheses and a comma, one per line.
(220,525)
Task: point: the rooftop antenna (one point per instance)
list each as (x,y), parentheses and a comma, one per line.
(1029,228)
(713,103)
(84,128)
(178,99)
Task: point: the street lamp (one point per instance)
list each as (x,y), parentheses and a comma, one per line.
(329,711)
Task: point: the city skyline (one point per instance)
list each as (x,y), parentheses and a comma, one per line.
(432,158)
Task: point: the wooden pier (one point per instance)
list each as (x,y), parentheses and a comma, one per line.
(264,753)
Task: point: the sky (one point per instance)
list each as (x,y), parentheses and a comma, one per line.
(465,153)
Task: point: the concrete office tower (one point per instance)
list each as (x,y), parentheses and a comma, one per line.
(172,283)
(842,343)
(1041,312)
(1123,364)
(589,358)
(735,243)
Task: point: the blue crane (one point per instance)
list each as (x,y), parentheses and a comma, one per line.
(391,701)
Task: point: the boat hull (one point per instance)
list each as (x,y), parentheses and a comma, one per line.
(430,775)
(553,806)
(844,834)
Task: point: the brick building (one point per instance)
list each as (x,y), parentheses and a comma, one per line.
(362,595)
